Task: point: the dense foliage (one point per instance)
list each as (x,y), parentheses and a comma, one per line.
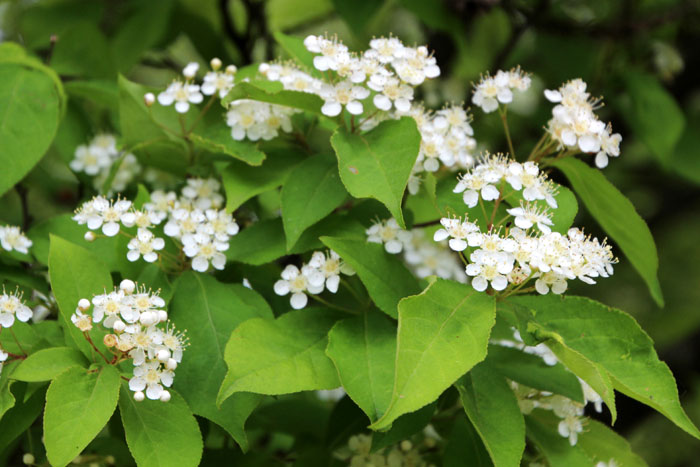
(213,255)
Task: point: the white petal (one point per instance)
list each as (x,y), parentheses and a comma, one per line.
(457,244)
(601,160)
(382,102)
(440,235)
(332,283)
(110,229)
(393,247)
(331,109)
(281,287)
(182,107)
(299,300)
(199,263)
(479,283)
(354,107)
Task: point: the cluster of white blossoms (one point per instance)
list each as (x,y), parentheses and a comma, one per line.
(97,158)
(498,89)
(12,307)
(322,272)
(258,120)
(575,125)
(133,316)
(13,239)
(358,453)
(195,219)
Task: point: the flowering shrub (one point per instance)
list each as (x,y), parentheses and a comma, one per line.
(313,226)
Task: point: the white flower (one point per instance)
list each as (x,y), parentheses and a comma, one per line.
(297,283)
(258,120)
(463,233)
(415,65)
(387,49)
(12,238)
(151,377)
(112,305)
(217,82)
(528,215)
(145,245)
(570,427)
(11,307)
(182,94)
(101,212)
(551,280)
(90,159)
(81,321)
(190,70)
(390,234)
(475,184)
(332,51)
(330,266)
(344,93)
(183,222)
(396,93)
(489,269)
(204,193)
(142,218)
(204,250)
(220,224)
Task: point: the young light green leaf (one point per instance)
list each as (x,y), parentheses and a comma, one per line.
(76,273)
(210,311)
(493,409)
(363,349)
(78,405)
(443,333)
(282,356)
(212,134)
(613,340)
(387,280)
(242,182)
(311,192)
(294,46)
(274,93)
(532,371)
(29,117)
(46,364)
(160,434)
(617,216)
(377,164)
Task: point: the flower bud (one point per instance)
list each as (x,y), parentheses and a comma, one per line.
(148,318)
(139,396)
(109,340)
(127,286)
(83,304)
(28,459)
(110,460)
(162,316)
(165,396)
(163,355)
(406,445)
(89,236)
(215,64)
(119,326)
(171,364)
(264,68)
(149,99)
(231,69)
(190,70)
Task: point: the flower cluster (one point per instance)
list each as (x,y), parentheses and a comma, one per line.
(321,273)
(97,158)
(183,93)
(12,307)
(12,238)
(195,219)
(358,452)
(258,120)
(492,90)
(133,315)
(575,125)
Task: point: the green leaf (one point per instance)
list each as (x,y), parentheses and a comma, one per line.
(602,444)
(83,51)
(212,134)
(78,405)
(76,273)
(19,418)
(377,164)
(160,434)
(273,93)
(493,409)
(386,278)
(404,427)
(653,114)
(210,311)
(616,214)
(29,117)
(357,14)
(295,48)
(565,213)
(311,192)
(242,182)
(7,399)
(363,349)
(46,364)
(464,443)
(282,356)
(542,431)
(613,340)
(443,333)
(532,371)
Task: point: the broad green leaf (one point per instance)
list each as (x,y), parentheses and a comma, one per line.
(212,134)
(404,427)
(11,52)
(103,92)
(613,340)
(154,277)
(357,14)
(83,51)
(7,399)
(311,192)
(542,431)
(273,93)
(363,349)
(602,444)
(493,409)
(76,273)
(21,416)
(346,420)
(149,22)
(377,164)
(443,333)
(464,443)
(616,214)
(532,371)
(386,278)
(160,434)
(280,356)
(78,405)
(653,114)
(242,182)
(46,364)
(562,217)
(210,311)
(295,48)
(29,117)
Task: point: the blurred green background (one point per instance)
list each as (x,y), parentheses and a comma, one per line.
(641,55)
